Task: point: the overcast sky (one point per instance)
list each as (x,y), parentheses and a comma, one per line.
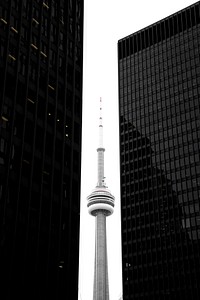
(105,22)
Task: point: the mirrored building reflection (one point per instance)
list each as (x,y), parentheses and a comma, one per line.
(159,91)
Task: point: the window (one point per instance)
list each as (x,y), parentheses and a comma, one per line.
(2,47)
(35,24)
(45,4)
(61,16)
(39,140)
(44,26)
(70,49)
(43,79)
(78,10)
(78,80)
(10,86)
(29,131)
(76,133)
(53,37)
(69,100)
(62,65)
(3,147)
(77,106)
(61,93)
(25,8)
(34,41)
(21,93)
(49,144)
(26,164)
(78,56)
(13,21)
(67,158)
(31,99)
(52,59)
(69,74)
(22,64)
(61,41)
(3,17)
(67,130)
(51,114)
(15,4)
(75,192)
(78,33)
(24,33)
(32,71)
(58,150)
(12,56)
(54,8)
(43,51)
(71,25)
(19,125)
(35,13)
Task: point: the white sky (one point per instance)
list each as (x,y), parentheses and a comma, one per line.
(105,22)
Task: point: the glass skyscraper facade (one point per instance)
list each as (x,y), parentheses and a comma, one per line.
(159,113)
(41,45)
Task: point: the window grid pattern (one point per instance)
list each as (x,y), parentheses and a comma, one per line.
(41,48)
(159,88)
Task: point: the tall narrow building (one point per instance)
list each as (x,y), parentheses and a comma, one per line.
(100,205)
(41,45)
(159,113)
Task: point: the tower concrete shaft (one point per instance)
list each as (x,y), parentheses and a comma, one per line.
(100,204)
(101,288)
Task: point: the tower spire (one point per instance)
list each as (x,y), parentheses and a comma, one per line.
(100,150)
(100,125)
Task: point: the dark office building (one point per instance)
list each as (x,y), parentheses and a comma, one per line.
(159,113)
(41,45)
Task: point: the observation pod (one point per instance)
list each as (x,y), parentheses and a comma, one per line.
(102,200)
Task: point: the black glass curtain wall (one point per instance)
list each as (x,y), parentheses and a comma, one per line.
(159,113)
(41,44)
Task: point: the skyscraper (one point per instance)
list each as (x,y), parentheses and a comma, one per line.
(41,44)
(100,205)
(159,111)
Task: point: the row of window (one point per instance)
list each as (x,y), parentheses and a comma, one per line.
(52,120)
(33,66)
(140,78)
(42,110)
(182,44)
(183,102)
(161,109)
(173,26)
(73,53)
(189,58)
(170,78)
(35,16)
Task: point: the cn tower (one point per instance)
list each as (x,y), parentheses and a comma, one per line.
(100,205)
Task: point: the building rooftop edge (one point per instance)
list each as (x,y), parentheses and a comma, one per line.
(157,22)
